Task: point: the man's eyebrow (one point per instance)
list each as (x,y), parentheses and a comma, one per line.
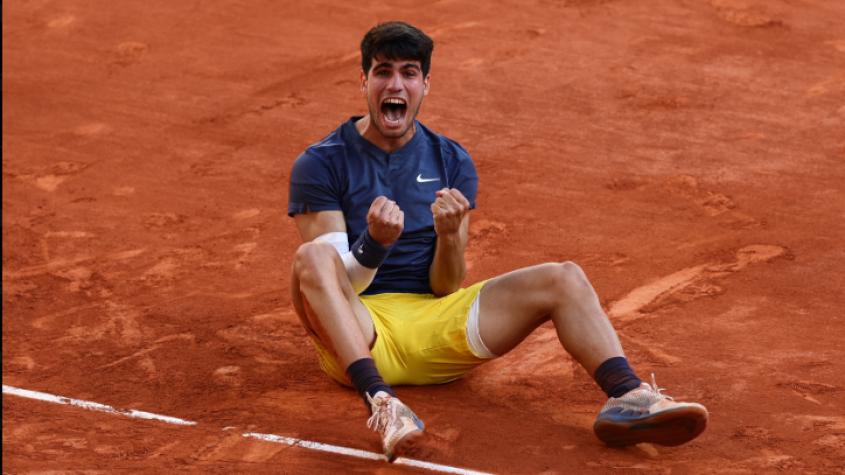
(389,64)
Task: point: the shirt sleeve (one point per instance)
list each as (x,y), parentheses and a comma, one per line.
(314,185)
(464,176)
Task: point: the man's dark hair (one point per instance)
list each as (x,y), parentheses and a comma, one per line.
(396,40)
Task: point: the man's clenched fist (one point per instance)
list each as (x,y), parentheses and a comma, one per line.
(449,209)
(385,221)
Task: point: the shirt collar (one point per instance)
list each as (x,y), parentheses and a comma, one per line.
(370,148)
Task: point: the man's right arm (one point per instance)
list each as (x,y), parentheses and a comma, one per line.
(314,225)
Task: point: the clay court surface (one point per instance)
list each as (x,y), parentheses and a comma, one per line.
(689,155)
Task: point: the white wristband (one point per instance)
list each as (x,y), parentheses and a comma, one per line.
(359,276)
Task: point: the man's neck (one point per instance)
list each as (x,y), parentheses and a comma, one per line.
(371,134)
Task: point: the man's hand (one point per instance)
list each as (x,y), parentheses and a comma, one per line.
(449,209)
(385,221)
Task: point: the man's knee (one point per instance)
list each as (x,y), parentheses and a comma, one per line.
(315,261)
(568,278)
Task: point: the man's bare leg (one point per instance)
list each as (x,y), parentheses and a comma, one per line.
(513,305)
(329,308)
(327,305)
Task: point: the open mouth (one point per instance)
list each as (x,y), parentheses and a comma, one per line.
(393,110)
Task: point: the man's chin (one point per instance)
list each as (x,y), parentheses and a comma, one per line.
(394,133)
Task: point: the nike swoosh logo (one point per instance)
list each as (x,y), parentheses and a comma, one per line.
(420,179)
(360,249)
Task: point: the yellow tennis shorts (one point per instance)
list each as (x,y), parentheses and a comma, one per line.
(420,338)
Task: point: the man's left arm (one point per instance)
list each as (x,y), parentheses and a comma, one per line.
(451,223)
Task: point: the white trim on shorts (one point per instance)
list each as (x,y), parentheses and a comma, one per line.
(478,348)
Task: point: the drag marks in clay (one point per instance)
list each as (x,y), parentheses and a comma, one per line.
(120,324)
(247,213)
(264,337)
(712,204)
(61,22)
(259,107)
(129,53)
(49,180)
(839,45)
(183,337)
(688,284)
(829,429)
(690,199)
(746,14)
(808,389)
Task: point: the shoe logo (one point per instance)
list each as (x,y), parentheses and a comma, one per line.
(361,249)
(420,179)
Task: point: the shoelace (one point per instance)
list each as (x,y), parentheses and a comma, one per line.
(657,390)
(378,421)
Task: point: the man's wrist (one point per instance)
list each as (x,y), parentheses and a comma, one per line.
(450,238)
(369,252)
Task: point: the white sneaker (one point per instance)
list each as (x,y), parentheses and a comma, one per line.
(395,422)
(646,415)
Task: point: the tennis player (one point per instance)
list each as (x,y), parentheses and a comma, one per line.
(382,205)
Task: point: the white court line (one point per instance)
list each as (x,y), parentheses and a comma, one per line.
(93,406)
(305,444)
(364,454)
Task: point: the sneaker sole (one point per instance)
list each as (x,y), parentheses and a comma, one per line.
(671,427)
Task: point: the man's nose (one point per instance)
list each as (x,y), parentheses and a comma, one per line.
(395,83)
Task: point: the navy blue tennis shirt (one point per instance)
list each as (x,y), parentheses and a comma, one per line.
(345,172)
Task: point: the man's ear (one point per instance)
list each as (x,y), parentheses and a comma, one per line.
(363,82)
(426,84)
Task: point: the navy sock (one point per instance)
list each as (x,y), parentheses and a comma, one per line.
(616,377)
(366,379)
